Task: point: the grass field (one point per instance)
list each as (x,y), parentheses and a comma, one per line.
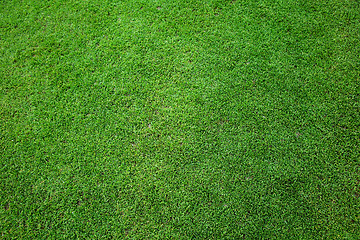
(180,119)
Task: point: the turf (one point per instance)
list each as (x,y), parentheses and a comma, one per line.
(180,119)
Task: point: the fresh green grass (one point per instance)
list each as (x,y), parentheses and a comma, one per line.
(180,119)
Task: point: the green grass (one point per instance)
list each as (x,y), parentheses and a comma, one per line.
(180,119)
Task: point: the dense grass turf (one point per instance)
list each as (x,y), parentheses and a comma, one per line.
(180,119)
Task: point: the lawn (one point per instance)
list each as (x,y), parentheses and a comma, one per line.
(180,119)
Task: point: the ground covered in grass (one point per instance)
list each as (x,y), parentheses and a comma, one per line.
(180,119)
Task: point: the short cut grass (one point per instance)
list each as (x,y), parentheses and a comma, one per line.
(179,119)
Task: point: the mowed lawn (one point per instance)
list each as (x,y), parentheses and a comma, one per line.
(180,119)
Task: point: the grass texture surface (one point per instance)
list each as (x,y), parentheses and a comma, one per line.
(179,119)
